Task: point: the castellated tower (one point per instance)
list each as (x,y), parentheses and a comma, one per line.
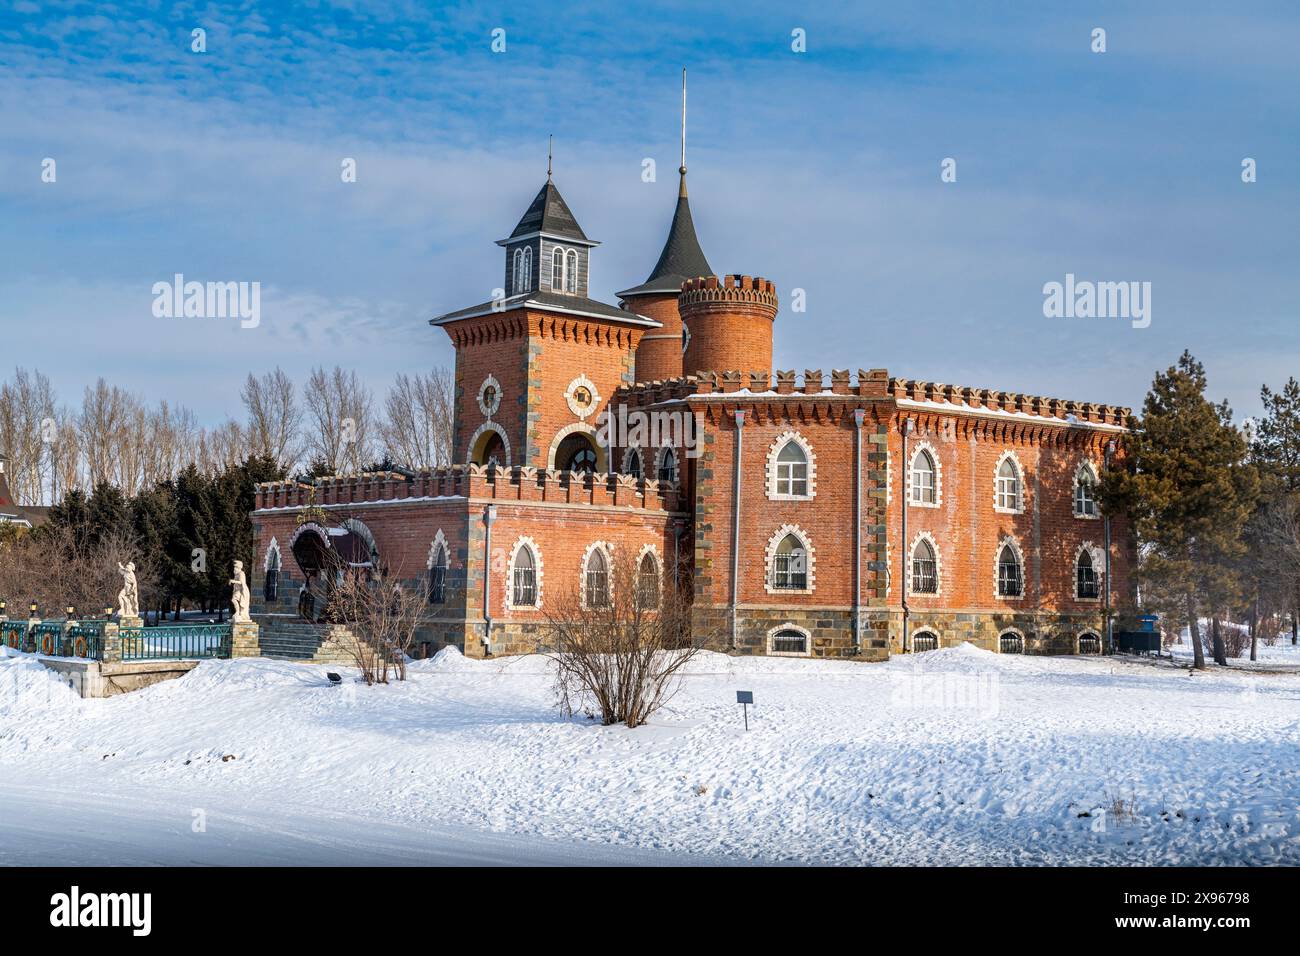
(727,324)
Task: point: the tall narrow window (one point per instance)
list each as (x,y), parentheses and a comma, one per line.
(557,269)
(1085,577)
(925,569)
(438,577)
(668,466)
(792,471)
(1085,493)
(1010,579)
(632,464)
(1008,491)
(523,589)
(517,273)
(571,271)
(596,580)
(647,581)
(790,565)
(526,282)
(271,589)
(923,484)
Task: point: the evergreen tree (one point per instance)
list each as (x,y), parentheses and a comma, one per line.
(1188,491)
(1277,451)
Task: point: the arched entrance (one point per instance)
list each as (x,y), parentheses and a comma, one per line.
(329,556)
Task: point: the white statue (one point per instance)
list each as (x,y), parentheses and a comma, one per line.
(239,594)
(128,599)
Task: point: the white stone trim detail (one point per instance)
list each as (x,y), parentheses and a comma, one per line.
(627,453)
(1098,568)
(1020,484)
(659,460)
(774,449)
(659,568)
(1088,632)
(924,448)
(508,601)
(789,626)
(926,629)
(279,558)
(479,432)
(1024,645)
(489,410)
(938,564)
(1005,540)
(1085,465)
(608,550)
(769,558)
(602,454)
(686,337)
(575,406)
(439,541)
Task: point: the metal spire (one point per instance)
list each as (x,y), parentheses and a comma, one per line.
(550,154)
(681,191)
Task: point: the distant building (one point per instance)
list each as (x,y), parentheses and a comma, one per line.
(28,516)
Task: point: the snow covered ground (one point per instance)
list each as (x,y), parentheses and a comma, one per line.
(956,756)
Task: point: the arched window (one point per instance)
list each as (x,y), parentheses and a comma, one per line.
(271,586)
(668,466)
(1011,582)
(788,639)
(790,564)
(924,488)
(571,271)
(1011,642)
(1089,643)
(925,641)
(517,272)
(523,584)
(1085,493)
(1086,585)
(526,282)
(632,463)
(1008,490)
(596,579)
(925,569)
(647,581)
(576,453)
(438,576)
(792,471)
(557,269)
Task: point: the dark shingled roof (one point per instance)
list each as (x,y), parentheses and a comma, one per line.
(549,214)
(553,301)
(682,257)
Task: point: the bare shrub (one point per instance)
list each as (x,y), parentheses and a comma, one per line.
(620,644)
(381,617)
(55,569)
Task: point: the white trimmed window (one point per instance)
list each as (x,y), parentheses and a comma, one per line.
(790,561)
(1087,574)
(523,578)
(791,468)
(789,640)
(925,567)
(925,641)
(1011,572)
(647,579)
(1089,642)
(595,578)
(564,270)
(1009,492)
(438,576)
(1011,641)
(1085,492)
(632,462)
(667,470)
(924,479)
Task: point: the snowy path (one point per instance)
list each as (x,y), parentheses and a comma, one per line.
(956,756)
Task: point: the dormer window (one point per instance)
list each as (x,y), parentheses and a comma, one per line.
(521,278)
(564,270)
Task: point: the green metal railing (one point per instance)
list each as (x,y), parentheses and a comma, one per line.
(86,639)
(14,634)
(175,642)
(48,638)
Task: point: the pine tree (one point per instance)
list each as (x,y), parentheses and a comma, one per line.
(1277,451)
(1188,490)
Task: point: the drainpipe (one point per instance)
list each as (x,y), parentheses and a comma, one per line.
(489,515)
(907,493)
(1110,635)
(858,415)
(735,523)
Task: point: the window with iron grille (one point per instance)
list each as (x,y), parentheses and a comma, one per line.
(1008,486)
(1089,644)
(1010,581)
(523,586)
(647,582)
(789,641)
(438,577)
(1085,495)
(925,569)
(792,470)
(596,584)
(1085,575)
(790,565)
(923,484)
(925,641)
(1011,644)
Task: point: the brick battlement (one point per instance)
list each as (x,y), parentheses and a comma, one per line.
(517,484)
(732,288)
(876,384)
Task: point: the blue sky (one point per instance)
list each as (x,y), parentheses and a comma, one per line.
(819,170)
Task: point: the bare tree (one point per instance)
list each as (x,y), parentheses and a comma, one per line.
(340,417)
(221,447)
(380,618)
(54,569)
(27,414)
(103,431)
(274,417)
(621,642)
(417,429)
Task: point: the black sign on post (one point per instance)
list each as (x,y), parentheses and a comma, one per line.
(745,697)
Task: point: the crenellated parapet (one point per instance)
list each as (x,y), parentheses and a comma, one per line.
(478,482)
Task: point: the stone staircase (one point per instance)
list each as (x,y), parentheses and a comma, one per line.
(293,639)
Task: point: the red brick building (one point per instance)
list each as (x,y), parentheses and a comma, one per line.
(841,515)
